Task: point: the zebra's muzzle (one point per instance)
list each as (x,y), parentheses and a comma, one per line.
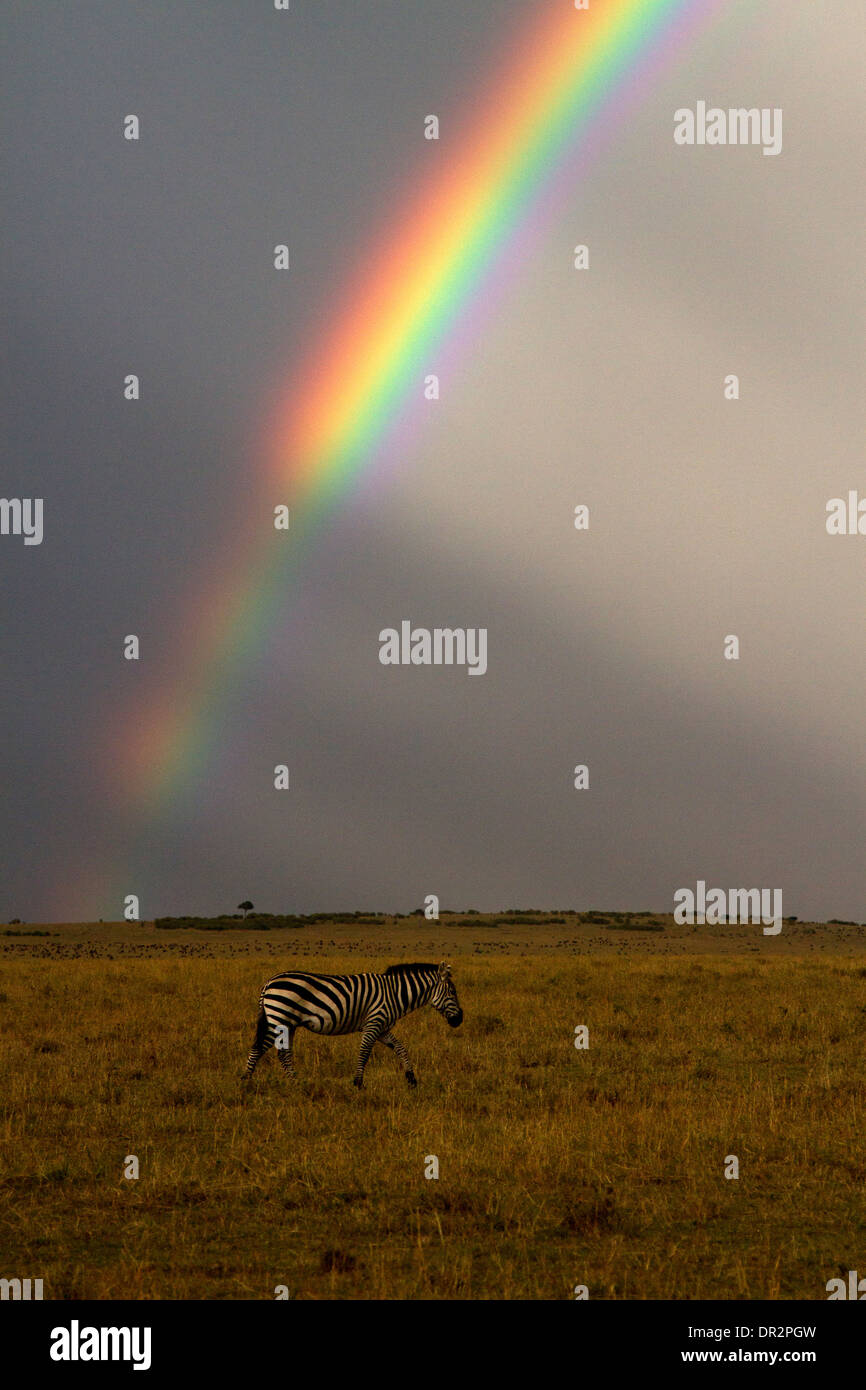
(455,1020)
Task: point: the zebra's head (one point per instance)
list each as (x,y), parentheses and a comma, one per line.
(444,997)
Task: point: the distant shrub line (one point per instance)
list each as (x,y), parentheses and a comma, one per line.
(260,922)
(269,921)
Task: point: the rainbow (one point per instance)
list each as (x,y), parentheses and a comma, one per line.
(559,90)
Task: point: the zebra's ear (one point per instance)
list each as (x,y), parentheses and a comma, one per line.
(445,970)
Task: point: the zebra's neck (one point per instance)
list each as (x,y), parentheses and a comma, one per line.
(414,987)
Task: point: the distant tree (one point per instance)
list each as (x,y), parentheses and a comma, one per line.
(245,907)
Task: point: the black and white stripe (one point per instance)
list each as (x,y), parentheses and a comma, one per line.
(368,1004)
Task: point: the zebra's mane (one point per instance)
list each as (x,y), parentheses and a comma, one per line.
(416,965)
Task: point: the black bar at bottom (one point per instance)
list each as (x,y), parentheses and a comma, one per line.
(289,1339)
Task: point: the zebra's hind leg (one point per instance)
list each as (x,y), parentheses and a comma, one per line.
(371,1035)
(286,1035)
(388,1040)
(261,1043)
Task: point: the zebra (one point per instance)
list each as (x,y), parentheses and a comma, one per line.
(369,1004)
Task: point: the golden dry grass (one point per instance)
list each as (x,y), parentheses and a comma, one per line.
(558,1167)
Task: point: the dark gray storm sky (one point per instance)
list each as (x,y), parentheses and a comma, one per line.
(602,387)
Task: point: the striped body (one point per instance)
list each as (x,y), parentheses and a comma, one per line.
(369,1004)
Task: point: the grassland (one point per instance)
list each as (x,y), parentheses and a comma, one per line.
(557,1167)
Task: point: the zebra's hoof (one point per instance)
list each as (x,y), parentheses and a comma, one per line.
(410,1077)
(358,1083)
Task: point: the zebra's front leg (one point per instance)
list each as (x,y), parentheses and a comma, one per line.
(388,1040)
(372,1034)
(284,1039)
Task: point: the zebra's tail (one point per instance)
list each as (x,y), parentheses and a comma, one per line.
(261,1029)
